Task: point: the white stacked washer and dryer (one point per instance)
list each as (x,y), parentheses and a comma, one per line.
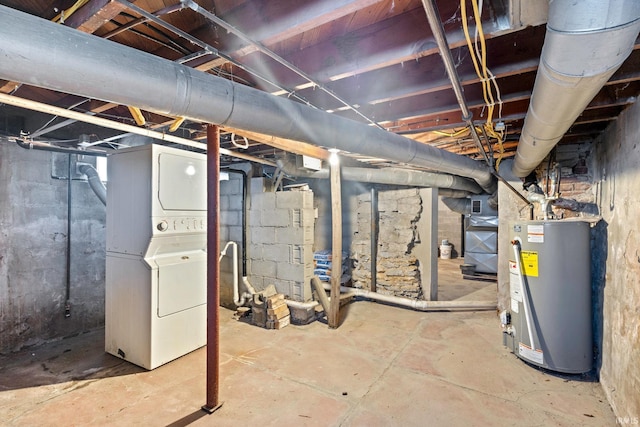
(156,254)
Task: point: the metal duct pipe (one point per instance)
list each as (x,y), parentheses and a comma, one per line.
(388,176)
(44,54)
(461,206)
(94,182)
(459,194)
(586,42)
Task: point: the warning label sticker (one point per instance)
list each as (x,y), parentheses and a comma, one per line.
(528,353)
(530,263)
(535,233)
(515,285)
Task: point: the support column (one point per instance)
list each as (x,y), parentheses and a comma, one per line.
(429,236)
(213,269)
(374,239)
(336,238)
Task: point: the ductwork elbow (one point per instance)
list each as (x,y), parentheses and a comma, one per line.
(461,206)
(586,42)
(94,182)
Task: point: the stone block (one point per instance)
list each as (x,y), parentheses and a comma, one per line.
(263,201)
(288,271)
(235,234)
(263,268)
(234,202)
(302,316)
(224,234)
(255,251)
(289,199)
(254,217)
(224,203)
(387,205)
(282,286)
(263,235)
(275,217)
(257,282)
(309,217)
(259,185)
(294,236)
(230,218)
(232,186)
(277,252)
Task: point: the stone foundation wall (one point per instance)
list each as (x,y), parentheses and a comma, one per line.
(397,265)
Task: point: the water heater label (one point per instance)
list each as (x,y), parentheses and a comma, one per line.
(535,233)
(528,353)
(514,306)
(515,285)
(530,263)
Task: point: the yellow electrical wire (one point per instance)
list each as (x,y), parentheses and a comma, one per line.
(452,134)
(68,12)
(487,79)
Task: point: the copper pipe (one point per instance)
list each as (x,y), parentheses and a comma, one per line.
(213,269)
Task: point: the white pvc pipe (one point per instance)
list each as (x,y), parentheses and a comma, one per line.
(238,300)
(302,305)
(525,294)
(420,305)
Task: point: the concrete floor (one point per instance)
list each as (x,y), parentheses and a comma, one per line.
(385,366)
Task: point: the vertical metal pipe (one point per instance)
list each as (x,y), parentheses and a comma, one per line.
(213,269)
(336,237)
(374,239)
(437,29)
(67,303)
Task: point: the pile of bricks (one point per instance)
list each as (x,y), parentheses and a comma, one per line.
(278,315)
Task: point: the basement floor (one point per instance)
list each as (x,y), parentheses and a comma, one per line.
(385,366)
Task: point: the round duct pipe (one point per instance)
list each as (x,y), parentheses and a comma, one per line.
(112,72)
(586,42)
(391,176)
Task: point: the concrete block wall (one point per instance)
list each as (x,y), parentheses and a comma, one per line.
(281,242)
(33,238)
(231,206)
(616,262)
(397,264)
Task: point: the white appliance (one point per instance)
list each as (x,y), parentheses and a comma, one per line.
(156,254)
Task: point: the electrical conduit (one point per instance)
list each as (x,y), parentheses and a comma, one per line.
(525,293)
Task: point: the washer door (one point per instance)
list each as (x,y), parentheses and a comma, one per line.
(182,281)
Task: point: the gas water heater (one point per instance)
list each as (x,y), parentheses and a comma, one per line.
(550,286)
(156,254)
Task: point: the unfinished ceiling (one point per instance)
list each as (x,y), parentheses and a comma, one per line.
(375,62)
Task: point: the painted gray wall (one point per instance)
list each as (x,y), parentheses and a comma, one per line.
(450,228)
(617,261)
(33,238)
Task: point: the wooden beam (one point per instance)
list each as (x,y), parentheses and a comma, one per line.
(289,145)
(427,74)
(403,38)
(336,244)
(279,20)
(94,15)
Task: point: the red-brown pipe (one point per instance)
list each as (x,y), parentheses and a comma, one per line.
(213,269)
